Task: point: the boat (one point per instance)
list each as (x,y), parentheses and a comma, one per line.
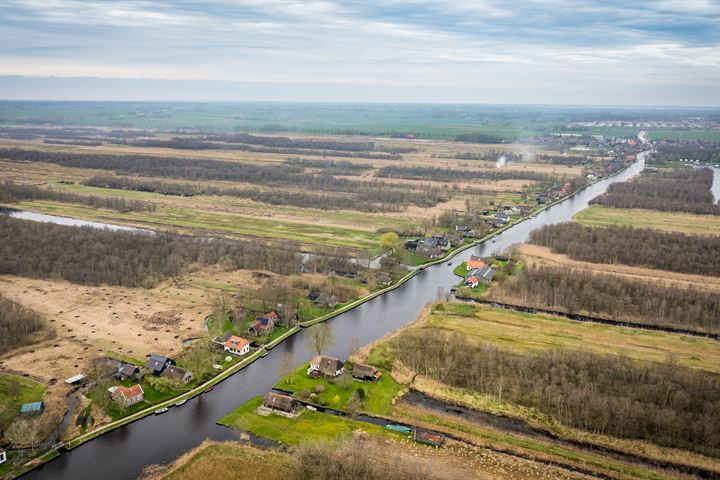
(311,408)
(449,263)
(208,390)
(160,411)
(181,402)
(264,354)
(398,428)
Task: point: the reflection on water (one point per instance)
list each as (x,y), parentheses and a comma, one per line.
(72,222)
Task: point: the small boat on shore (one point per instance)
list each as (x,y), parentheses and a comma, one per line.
(264,354)
(181,402)
(160,411)
(208,390)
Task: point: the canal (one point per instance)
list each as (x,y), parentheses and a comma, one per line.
(124,452)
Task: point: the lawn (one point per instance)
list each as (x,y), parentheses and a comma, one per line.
(527,332)
(335,394)
(309,426)
(16,390)
(599,216)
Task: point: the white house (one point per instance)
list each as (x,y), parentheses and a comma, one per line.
(3,455)
(237,345)
(322,366)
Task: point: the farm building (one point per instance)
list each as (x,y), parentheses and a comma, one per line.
(480,275)
(178,374)
(3,455)
(32,408)
(237,345)
(276,401)
(157,363)
(366,373)
(128,371)
(128,396)
(471,281)
(324,366)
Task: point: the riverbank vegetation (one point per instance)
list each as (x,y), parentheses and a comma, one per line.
(677,190)
(677,252)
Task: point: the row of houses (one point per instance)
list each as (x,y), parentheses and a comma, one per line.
(435,246)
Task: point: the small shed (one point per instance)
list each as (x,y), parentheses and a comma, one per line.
(33,408)
(128,371)
(366,373)
(76,379)
(277,401)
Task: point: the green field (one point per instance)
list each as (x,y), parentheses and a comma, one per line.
(16,390)
(335,394)
(600,216)
(309,426)
(188,221)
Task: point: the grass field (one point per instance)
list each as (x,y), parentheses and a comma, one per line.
(197,221)
(308,427)
(599,216)
(524,331)
(335,394)
(16,390)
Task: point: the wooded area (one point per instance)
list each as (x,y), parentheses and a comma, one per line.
(93,256)
(677,252)
(11,193)
(613,395)
(18,325)
(677,190)
(373,196)
(369,199)
(606,295)
(673,152)
(454,175)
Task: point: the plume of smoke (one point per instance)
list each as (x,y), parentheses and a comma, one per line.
(501,162)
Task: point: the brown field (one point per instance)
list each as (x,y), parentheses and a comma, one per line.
(222,461)
(91,321)
(536,254)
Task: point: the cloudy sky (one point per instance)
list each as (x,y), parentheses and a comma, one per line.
(486,51)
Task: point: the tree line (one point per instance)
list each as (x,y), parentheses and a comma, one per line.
(12,193)
(92,256)
(642,247)
(454,175)
(186,143)
(680,190)
(670,152)
(479,138)
(606,394)
(19,325)
(614,297)
(208,169)
(370,199)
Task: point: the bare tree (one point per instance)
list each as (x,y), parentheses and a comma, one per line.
(320,337)
(286,366)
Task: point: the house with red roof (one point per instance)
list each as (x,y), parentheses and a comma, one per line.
(475,262)
(471,281)
(237,345)
(129,396)
(264,324)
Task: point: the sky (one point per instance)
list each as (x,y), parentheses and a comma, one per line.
(589,52)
